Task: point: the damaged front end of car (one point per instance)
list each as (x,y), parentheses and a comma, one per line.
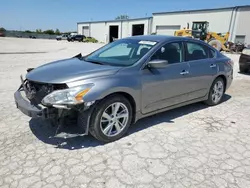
(55,102)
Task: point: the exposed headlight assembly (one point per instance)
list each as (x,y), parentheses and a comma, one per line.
(72,95)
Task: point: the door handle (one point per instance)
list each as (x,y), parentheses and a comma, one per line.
(184,72)
(212,65)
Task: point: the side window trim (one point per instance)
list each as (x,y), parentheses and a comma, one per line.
(186,51)
(214,53)
(183,53)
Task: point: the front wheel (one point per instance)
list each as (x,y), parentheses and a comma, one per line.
(216,92)
(111,118)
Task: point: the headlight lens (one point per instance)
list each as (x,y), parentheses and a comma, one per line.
(72,95)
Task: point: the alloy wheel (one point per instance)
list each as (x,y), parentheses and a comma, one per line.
(218,91)
(114,119)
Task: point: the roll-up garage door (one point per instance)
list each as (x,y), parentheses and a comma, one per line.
(85,31)
(167,29)
(240,38)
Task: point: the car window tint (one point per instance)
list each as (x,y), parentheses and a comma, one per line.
(119,50)
(172,52)
(196,51)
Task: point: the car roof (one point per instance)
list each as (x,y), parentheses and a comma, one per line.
(156,38)
(161,38)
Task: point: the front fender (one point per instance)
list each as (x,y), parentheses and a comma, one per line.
(105,86)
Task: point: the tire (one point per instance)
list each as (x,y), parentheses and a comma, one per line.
(216,44)
(211,95)
(243,69)
(97,128)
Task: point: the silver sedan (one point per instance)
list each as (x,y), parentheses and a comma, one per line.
(124,81)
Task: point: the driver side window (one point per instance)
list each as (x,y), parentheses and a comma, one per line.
(172,52)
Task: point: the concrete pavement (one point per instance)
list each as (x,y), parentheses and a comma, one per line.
(193,146)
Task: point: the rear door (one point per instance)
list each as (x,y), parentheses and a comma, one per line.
(203,68)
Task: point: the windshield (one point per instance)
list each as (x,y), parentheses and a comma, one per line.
(124,52)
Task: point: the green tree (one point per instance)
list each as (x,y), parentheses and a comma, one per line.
(2,29)
(57,32)
(39,31)
(28,31)
(122,17)
(49,31)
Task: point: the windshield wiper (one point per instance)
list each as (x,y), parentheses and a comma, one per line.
(95,62)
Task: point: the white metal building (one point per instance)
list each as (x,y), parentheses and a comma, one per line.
(236,20)
(104,30)
(232,19)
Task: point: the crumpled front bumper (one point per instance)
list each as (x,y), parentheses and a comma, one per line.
(40,111)
(34,111)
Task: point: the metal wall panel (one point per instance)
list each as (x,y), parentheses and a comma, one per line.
(167,29)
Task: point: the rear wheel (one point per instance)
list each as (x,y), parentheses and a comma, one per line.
(216,44)
(216,92)
(111,118)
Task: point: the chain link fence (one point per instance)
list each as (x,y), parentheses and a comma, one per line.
(21,34)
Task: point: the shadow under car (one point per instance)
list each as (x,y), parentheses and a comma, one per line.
(45,132)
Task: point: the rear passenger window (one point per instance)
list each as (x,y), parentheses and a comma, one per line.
(211,53)
(196,51)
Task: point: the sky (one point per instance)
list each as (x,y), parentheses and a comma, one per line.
(64,14)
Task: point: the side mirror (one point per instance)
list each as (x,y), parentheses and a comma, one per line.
(157,64)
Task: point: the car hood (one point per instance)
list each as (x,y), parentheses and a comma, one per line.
(69,70)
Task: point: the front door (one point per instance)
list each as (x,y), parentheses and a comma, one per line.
(167,86)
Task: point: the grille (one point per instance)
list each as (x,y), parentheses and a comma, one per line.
(35,91)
